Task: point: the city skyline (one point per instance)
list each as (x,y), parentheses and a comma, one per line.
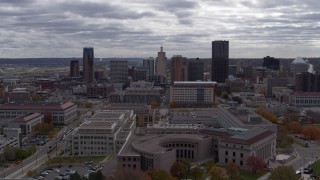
(137,28)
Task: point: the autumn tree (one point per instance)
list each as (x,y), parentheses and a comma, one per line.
(209,164)
(88,104)
(311,132)
(233,171)
(178,170)
(43,128)
(217,173)
(9,153)
(283,173)
(154,104)
(196,173)
(159,174)
(295,127)
(255,163)
(268,115)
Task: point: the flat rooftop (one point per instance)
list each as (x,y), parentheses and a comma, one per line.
(27,117)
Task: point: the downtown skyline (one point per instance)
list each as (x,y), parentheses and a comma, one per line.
(137,28)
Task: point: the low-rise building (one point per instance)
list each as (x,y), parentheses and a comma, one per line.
(99,90)
(27,123)
(138,92)
(305,99)
(103,134)
(58,113)
(192,94)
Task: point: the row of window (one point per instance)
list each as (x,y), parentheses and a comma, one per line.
(233,154)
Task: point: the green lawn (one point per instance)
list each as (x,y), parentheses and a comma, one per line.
(299,143)
(78,159)
(248,175)
(316,168)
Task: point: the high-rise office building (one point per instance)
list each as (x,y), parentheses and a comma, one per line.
(220,61)
(161,63)
(149,63)
(119,71)
(307,82)
(74,68)
(271,63)
(178,68)
(195,70)
(88,69)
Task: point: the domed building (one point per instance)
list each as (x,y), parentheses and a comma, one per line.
(298,65)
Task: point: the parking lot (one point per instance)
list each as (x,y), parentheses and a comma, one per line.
(64,171)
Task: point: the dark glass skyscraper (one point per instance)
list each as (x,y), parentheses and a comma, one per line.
(74,68)
(195,70)
(271,63)
(88,71)
(220,61)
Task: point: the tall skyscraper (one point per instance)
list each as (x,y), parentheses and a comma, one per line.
(74,68)
(271,63)
(195,70)
(88,69)
(220,61)
(149,64)
(161,63)
(178,68)
(119,71)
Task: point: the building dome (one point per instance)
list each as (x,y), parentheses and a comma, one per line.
(298,60)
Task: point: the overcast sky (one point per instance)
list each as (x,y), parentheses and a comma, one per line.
(136,28)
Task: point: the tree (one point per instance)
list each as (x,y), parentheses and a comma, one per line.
(217,173)
(75,176)
(43,128)
(233,172)
(96,176)
(224,95)
(283,173)
(196,173)
(9,153)
(295,127)
(178,170)
(154,104)
(255,163)
(88,104)
(31,173)
(159,174)
(311,132)
(209,164)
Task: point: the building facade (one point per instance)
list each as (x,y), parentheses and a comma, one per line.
(195,70)
(149,64)
(88,66)
(192,93)
(161,63)
(99,90)
(119,71)
(74,68)
(178,68)
(305,99)
(54,112)
(220,61)
(27,123)
(103,134)
(271,63)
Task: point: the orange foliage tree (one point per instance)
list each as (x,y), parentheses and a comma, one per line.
(268,115)
(295,127)
(311,132)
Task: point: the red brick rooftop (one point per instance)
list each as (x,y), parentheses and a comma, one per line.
(27,117)
(37,106)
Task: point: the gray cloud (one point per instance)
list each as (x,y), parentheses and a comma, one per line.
(137,27)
